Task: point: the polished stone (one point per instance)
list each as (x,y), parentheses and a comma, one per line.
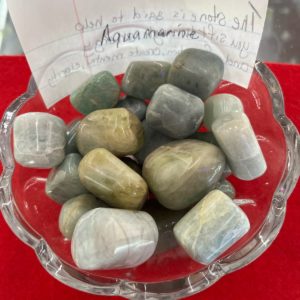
(136,106)
(117,130)
(143,78)
(73,210)
(71,146)
(101,91)
(219,105)
(39,140)
(107,238)
(237,139)
(211,227)
(63,182)
(197,71)
(174,112)
(226,187)
(152,140)
(182,172)
(112,181)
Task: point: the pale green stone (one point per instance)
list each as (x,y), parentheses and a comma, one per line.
(211,227)
(101,91)
(219,105)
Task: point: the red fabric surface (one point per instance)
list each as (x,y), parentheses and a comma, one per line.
(275,275)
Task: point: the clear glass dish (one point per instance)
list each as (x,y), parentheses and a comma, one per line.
(169,274)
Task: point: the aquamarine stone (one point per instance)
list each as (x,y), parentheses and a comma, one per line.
(237,139)
(101,91)
(197,71)
(211,227)
(143,78)
(39,140)
(174,112)
(219,105)
(63,182)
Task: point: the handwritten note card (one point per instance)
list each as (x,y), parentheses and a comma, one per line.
(67,41)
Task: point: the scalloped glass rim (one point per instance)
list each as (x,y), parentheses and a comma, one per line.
(179,288)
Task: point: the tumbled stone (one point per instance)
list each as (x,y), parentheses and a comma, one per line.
(111,180)
(39,140)
(136,106)
(219,105)
(63,182)
(152,140)
(107,238)
(211,227)
(143,78)
(196,71)
(226,187)
(117,130)
(174,112)
(101,91)
(182,172)
(73,210)
(71,146)
(130,162)
(237,139)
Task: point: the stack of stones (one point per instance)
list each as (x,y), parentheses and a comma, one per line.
(105,164)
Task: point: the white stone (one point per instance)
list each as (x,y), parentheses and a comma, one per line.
(211,227)
(39,140)
(107,238)
(237,139)
(219,105)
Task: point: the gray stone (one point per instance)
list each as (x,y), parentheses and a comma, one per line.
(71,146)
(174,112)
(73,210)
(107,238)
(39,140)
(63,182)
(226,187)
(152,140)
(143,78)
(197,71)
(101,91)
(136,106)
(237,139)
(181,173)
(211,227)
(219,105)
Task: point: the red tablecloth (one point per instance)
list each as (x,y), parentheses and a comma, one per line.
(275,275)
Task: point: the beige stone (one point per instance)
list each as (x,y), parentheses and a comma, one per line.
(117,130)
(111,180)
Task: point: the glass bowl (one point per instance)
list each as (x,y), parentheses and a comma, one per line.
(170,273)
